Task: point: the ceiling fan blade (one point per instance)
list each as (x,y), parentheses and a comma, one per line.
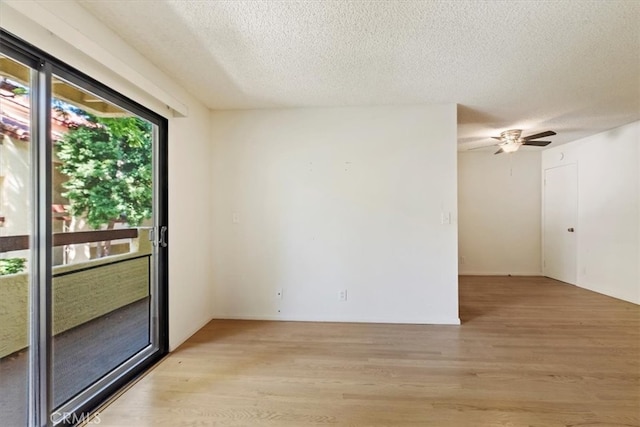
(537,143)
(538,135)
(499,151)
(497,137)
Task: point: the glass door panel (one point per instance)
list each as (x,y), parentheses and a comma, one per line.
(16,223)
(103,259)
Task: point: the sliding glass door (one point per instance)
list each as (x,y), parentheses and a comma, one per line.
(83,240)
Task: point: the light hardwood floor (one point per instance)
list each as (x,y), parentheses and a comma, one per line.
(530,352)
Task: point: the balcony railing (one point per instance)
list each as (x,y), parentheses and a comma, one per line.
(19,243)
(81,291)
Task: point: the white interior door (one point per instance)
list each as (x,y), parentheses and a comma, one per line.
(559,228)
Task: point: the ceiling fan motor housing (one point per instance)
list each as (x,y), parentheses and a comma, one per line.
(512,135)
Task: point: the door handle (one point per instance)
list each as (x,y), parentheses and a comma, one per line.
(163,236)
(570,230)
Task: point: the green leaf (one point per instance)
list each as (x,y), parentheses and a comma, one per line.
(12,265)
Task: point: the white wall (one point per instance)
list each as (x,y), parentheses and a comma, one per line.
(608,229)
(190,230)
(65,30)
(499,213)
(314,201)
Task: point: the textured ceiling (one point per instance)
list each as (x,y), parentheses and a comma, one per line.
(570,66)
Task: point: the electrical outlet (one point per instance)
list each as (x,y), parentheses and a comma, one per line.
(235,218)
(342,295)
(279,293)
(462,260)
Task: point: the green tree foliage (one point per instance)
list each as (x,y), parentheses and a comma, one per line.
(108,165)
(12,265)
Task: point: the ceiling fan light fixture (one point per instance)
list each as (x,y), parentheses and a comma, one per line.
(510,147)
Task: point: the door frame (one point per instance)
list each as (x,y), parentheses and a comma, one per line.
(544,219)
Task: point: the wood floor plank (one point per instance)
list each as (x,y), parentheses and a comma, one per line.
(530,352)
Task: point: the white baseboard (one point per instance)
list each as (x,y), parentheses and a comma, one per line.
(339,319)
(499,273)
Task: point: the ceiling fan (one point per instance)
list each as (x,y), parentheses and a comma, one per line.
(511,140)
